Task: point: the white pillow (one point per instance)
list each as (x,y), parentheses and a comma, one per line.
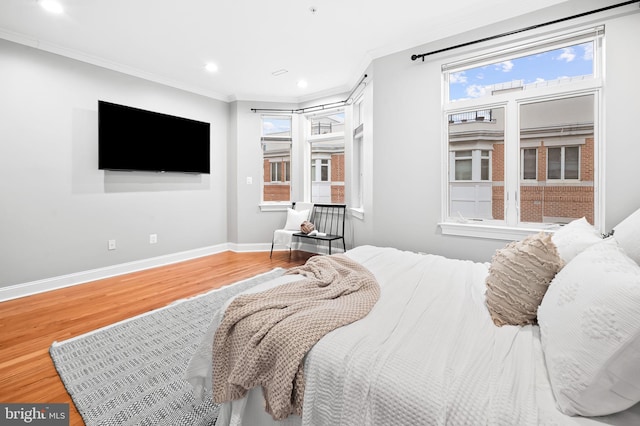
(627,233)
(295,219)
(590,329)
(574,237)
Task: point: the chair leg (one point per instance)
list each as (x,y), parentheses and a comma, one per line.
(344,245)
(271,254)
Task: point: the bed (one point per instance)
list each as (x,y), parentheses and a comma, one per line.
(430,352)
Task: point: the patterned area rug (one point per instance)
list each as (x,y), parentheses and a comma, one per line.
(131,373)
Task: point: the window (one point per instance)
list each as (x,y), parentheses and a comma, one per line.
(327,123)
(320,170)
(522,135)
(276,157)
(463,165)
(357,198)
(471,164)
(280,171)
(529,164)
(326,142)
(563,163)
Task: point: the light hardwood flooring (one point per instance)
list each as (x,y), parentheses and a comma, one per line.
(29,325)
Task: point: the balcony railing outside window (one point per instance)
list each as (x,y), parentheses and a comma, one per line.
(470,116)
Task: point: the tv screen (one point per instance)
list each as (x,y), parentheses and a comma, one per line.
(135,139)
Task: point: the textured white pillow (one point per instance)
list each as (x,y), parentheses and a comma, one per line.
(574,237)
(519,275)
(590,330)
(627,233)
(295,219)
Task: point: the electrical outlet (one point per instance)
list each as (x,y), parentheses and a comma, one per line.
(153,238)
(111,245)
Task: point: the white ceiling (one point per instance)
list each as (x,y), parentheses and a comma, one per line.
(170,41)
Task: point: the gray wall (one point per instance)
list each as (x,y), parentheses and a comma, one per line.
(252,227)
(57,210)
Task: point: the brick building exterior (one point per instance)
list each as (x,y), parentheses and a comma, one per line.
(555,189)
(337,178)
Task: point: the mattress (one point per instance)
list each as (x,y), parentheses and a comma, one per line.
(427,353)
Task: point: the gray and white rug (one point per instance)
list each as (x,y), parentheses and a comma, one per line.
(131,373)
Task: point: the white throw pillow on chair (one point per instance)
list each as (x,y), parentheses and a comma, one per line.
(295,219)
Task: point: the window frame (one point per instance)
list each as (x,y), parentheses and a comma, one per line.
(313,165)
(282,163)
(357,161)
(512,228)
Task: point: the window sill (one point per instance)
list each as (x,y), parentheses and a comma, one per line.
(493,232)
(273,207)
(357,213)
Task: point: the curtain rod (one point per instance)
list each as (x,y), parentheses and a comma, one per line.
(316,107)
(532,27)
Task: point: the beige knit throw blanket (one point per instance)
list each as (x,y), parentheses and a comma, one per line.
(263,337)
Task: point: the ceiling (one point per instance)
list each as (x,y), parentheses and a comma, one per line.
(327,43)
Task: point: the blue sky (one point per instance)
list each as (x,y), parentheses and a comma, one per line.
(272,125)
(571,61)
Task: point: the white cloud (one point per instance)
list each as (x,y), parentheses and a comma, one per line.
(458,78)
(505,66)
(588,51)
(476,91)
(568,54)
(267,125)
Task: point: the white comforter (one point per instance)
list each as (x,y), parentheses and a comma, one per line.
(427,354)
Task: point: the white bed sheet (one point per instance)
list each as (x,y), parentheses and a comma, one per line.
(428,353)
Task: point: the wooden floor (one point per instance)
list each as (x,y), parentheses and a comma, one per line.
(29,325)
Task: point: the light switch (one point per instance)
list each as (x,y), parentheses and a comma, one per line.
(249,180)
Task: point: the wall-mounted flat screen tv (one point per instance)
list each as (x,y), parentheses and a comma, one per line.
(135,139)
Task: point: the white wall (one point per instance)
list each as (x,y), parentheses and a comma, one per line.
(407,136)
(57,210)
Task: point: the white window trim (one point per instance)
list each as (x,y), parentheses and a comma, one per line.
(357,157)
(357,212)
(483,230)
(276,205)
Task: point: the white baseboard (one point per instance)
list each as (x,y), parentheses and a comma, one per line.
(54,283)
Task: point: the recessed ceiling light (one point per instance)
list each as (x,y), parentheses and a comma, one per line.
(211,67)
(52,6)
(302,84)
